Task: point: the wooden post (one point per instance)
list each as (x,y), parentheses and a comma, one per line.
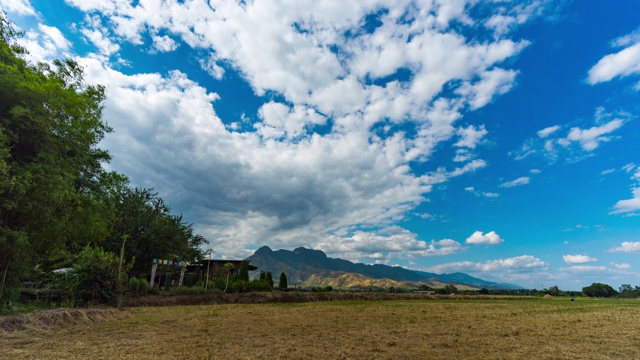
(153,273)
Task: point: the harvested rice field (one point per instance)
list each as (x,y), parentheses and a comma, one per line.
(395,329)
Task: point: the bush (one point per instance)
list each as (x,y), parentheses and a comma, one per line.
(94,278)
(138,287)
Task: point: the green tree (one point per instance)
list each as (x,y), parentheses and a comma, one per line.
(626,291)
(282,284)
(269,279)
(599,290)
(228,268)
(151,230)
(243,273)
(54,192)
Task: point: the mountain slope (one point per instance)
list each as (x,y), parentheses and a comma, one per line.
(303,265)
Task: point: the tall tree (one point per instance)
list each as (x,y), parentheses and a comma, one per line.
(54,192)
(243,273)
(282,284)
(151,230)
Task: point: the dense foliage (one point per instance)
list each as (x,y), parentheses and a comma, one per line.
(599,290)
(282,284)
(55,196)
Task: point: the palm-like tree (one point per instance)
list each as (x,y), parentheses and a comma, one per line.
(228,267)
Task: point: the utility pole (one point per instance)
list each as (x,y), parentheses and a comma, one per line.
(206,285)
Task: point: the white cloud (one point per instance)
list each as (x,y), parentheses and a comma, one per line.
(470,136)
(104,45)
(585,269)
(577,144)
(509,18)
(548,131)
(627,246)
(517,182)
(514,265)
(621,266)
(490,238)
(629,167)
(628,205)
(620,64)
(472,190)
(22,7)
(211,67)
(578,259)
(607,172)
(387,242)
(590,138)
(163,43)
(45,44)
(275,179)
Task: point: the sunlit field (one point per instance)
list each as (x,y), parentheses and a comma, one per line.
(435,329)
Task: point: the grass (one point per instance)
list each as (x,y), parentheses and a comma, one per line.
(436,329)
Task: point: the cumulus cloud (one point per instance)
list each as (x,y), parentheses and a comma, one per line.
(524,180)
(163,43)
(620,64)
(628,205)
(470,136)
(578,259)
(573,144)
(633,204)
(514,265)
(45,44)
(386,243)
(22,7)
(591,138)
(627,246)
(490,238)
(344,111)
(548,131)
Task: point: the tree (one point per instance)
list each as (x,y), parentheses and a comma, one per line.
(626,291)
(54,192)
(243,273)
(269,279)
(599,290)
(282,284)
(228,267)
(152,231)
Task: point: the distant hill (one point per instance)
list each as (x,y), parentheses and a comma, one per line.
(308,267)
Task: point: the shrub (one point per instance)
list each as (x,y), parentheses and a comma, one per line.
(138,287)
(95,278)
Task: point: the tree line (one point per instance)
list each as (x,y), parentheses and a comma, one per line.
(56,198)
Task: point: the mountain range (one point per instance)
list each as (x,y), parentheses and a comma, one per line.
(307,267)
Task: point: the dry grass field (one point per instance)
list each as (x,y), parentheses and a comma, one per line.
(416,329)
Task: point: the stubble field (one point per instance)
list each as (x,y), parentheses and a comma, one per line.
(416,329)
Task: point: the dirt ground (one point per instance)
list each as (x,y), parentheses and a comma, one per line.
(346,329)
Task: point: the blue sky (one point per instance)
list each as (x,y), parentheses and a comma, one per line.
(496,138)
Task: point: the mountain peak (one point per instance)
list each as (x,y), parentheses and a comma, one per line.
(263,250)
(310,253)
